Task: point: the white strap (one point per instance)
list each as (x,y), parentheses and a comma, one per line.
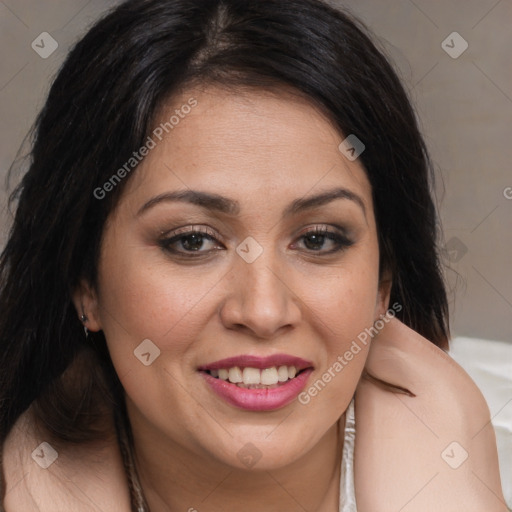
(347,490)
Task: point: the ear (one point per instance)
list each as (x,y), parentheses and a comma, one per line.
(86,303)
(383,294)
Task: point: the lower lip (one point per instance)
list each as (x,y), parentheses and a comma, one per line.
(258,399)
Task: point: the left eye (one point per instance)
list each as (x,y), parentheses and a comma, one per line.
(317,236)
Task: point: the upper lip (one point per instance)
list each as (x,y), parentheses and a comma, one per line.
(251,361)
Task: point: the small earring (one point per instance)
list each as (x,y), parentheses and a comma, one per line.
(84,319)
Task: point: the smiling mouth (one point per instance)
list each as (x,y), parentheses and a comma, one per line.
(255,378)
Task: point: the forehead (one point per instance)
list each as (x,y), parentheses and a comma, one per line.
(251,145)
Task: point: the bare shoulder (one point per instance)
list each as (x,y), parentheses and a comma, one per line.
(437,444)
(402,356)
(43,476)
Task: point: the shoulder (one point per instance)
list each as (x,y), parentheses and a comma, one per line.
(401,356)
(432,451)
(41,475)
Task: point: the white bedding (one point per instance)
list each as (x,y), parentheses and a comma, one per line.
(489,363)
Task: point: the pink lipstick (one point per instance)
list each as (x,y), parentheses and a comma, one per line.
(257,383)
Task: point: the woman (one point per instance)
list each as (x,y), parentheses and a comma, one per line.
(223,265)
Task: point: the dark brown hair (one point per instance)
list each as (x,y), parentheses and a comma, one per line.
(99,111)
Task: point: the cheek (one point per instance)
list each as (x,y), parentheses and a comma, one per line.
(347,310)
(345,307)
(146,299)
(346,298)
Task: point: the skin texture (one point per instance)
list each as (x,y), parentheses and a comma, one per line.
(439,445)
(263,151)
(398,456)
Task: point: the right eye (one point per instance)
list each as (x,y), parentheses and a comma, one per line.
(190,240)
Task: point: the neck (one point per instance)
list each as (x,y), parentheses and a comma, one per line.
(174,479)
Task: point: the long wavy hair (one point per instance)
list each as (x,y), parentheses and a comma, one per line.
(100,109)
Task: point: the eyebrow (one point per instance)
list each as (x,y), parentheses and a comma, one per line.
(218,203)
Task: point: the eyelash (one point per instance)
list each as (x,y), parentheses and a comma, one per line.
(341,240)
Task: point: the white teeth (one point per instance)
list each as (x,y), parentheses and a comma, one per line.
(249,377)
(269,376)
(282,373)
(235,375)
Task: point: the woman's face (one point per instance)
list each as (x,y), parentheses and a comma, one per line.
(252,283)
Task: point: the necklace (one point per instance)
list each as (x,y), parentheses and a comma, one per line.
(125,437)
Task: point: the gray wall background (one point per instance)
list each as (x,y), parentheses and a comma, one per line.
(464,103)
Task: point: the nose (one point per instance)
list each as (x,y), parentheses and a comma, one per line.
(261,299)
